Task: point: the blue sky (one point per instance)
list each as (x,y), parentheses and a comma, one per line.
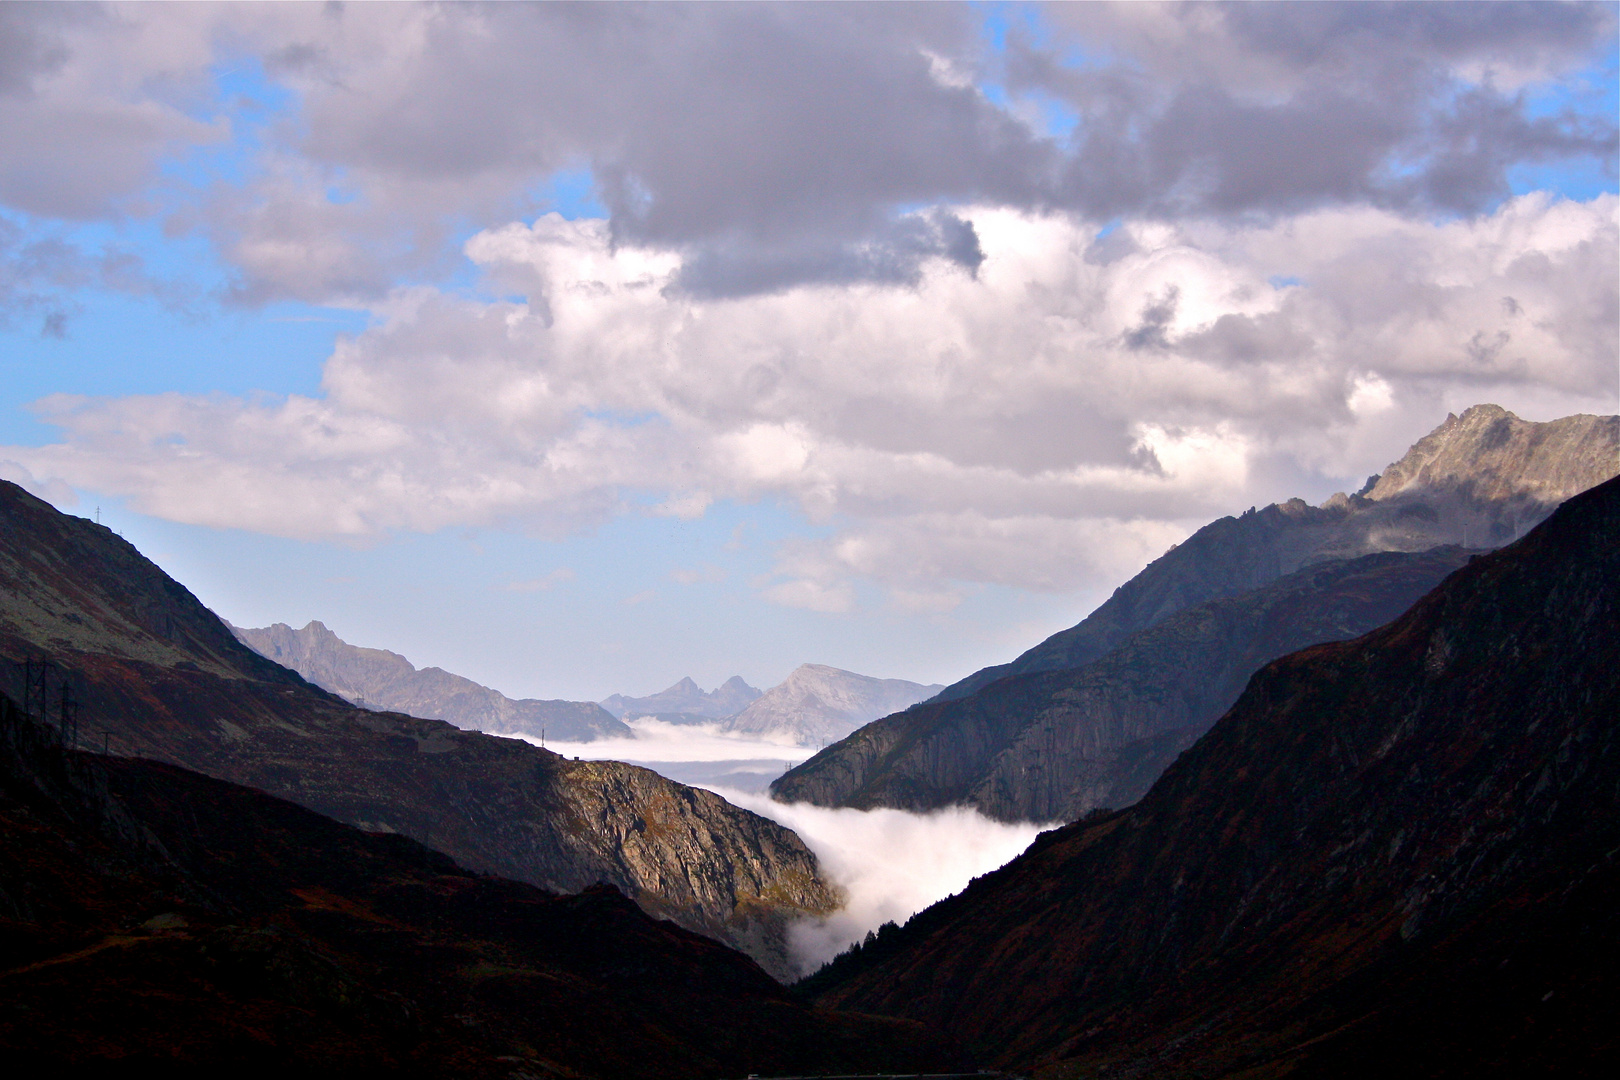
(867,277)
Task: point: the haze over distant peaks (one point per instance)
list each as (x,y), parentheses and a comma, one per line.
(820,703)
(385,681)
(686,702)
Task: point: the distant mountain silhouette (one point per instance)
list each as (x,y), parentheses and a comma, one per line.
(1091,715)
(1394,856)
(686,702)
(386,681)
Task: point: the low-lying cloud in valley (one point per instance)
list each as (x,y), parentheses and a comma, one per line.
(890,864)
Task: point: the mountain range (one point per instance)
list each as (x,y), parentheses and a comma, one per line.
(1393,856)
(1089,717)
(387,682)
(686,702)
(813,705)
(159,676)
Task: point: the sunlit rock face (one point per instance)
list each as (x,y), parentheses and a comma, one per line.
(160,676)
(387,682)
(1093,714)
(1392,856)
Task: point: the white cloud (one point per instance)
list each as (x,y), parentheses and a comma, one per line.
(890,863)
(1053,421)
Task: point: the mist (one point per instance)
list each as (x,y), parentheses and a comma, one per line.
(890,863)
(698,754)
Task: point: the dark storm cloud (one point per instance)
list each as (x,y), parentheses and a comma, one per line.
(891,255)
(1272,108)
(775,144)
(30,44)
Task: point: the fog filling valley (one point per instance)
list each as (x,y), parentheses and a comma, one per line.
(890,864)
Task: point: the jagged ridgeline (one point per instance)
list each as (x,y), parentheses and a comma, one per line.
(1394,856)
(1091,716)
(160,676)
(387,682)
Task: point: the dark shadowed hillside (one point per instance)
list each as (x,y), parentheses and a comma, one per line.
(164,678)
(1051,745)
(1395,856)
(155,920)
(1152,667)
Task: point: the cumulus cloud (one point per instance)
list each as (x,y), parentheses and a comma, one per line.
(1014,426)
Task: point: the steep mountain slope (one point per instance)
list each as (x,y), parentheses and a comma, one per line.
(686,702)
(151,916)
(1053,745)
(818,703)
(1479,480)
(1393,856)
(164,678)
(1013,742)
(387,682)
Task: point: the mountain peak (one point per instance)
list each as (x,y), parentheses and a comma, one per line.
(1489,453)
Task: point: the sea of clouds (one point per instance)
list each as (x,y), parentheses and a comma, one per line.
(890,864)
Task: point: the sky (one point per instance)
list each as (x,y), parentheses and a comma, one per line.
(577,349)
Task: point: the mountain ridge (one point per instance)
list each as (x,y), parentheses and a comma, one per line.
(1392,856)
(164,678)
(1485,475)
(262,938)
(686,702)
(1053,745)
(385,681)
(1427,498)
(817,702)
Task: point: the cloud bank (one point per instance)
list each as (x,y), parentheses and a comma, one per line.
(1009,296)
(1058,414)
(890,863)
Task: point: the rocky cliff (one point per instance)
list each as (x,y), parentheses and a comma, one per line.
(160,676)
(686,702)
(817,703)
(387,682)
(151,916)
(1052,745)
(1013,743)
(1393,856)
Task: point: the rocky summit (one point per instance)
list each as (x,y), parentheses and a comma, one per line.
(686,702)
(1090,716)
(387,682)
(158,675)
(1394,856)
(816,703)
